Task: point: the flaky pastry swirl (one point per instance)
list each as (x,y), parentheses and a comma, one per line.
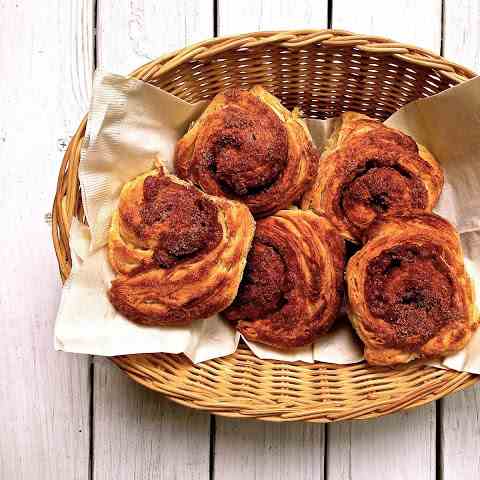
(247,146)
(409,295)
(368,169)
(292,286)
(179,253)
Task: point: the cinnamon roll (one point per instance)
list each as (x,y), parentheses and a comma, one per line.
(369,169)
(246,146)
(409,295)
(292,287)
(179,253)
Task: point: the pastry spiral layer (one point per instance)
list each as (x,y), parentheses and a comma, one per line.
(367,170)
(179,253)
(247,146)
(292,287)
(409,295)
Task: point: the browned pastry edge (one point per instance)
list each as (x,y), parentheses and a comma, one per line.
(409,295)
(247,146)
(368,169)
(179,253)
(292,287)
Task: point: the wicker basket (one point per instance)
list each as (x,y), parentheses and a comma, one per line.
(324,72)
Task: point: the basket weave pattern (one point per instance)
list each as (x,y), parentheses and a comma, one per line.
(324,72)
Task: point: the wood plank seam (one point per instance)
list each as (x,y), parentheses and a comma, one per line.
(91,416)
(213,423)
(442,27)
(212,447)
(91,410)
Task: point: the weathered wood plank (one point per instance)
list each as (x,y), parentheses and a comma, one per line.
(459,453)
(253,449)
(403,445)
(400,446)
(409,21)
(460,418)
(247,449)
(132,33)
(140,434)
(47,58)
(255,15)
(461,36)
(137,433)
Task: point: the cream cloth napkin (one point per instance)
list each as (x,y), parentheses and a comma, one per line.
(130,122)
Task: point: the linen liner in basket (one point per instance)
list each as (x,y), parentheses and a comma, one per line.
(130,122)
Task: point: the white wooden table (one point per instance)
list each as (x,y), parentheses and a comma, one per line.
(74,417)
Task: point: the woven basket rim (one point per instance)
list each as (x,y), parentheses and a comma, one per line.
(155,370)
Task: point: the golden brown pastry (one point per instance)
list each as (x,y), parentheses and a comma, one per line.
(292,287)
(409,295)
(368,169)
(178,252)
(247,146)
